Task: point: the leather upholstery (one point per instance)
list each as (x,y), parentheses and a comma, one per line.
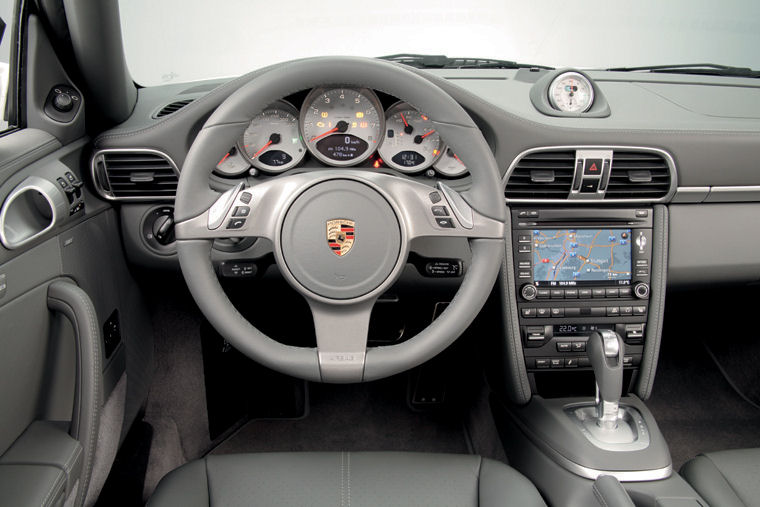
(726,478)
(345,480)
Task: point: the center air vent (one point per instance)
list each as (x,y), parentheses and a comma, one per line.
(135,174)
(172,108)
(542,175)
(638,175)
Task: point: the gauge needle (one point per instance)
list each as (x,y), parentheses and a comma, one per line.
(407,128)
(273,139)
(340,127)
(418,139)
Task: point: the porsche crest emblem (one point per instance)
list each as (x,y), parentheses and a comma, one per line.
(340,235)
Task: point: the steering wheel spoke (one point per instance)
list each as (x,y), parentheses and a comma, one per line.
(341,339)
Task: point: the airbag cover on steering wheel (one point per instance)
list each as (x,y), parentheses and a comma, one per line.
(332,271)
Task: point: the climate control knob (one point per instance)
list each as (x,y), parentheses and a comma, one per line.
(641,290)
(528,292)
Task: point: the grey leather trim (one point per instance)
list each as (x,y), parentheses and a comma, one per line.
(23,147)
(32,485)
(610,493)
(726,478)
(712,194)
(516,383)
(656,317)
(76,305)
(46,443)
(690,194)
(346,479)
(384,361)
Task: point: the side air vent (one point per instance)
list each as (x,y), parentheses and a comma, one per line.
(638,175)
(542,175)
(134,175)
(172,108)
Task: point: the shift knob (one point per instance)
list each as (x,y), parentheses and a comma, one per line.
(605,351)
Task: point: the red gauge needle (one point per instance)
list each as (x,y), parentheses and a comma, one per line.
(404,120)
(324,134)
(418,139)
(407,128)
(262,149)
(341,126)
(460,160)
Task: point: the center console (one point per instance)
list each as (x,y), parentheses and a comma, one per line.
(578,271)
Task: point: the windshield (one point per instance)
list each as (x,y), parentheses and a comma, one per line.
(186,40)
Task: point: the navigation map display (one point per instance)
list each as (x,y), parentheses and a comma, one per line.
(578,256)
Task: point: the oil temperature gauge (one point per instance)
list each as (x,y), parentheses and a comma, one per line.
(450,165)
(272,141)
(571,92)
(411,143)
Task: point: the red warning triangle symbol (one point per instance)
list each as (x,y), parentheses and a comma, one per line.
(593,168)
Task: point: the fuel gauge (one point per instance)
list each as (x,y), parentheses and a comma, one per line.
(450,165)
(272,141)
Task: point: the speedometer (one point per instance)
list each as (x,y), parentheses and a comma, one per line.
(411,143)
(571,92)
(272,142)
(342,126)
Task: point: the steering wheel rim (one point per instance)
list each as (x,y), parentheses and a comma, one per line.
(340,360)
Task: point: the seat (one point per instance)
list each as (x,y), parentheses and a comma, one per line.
(365,479)
(726,478)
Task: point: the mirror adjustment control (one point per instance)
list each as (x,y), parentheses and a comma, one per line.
(529,292)
(63,103)
(641,290)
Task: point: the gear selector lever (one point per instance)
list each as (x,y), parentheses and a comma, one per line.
(605,351)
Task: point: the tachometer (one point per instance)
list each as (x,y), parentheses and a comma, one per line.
(571,92)
(342,126)
(450,165)
(272,141)
(411,143)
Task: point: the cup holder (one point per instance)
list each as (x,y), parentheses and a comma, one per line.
(29,211)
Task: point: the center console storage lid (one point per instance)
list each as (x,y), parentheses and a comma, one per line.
(547,424)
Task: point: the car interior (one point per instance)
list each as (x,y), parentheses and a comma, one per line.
(399,280)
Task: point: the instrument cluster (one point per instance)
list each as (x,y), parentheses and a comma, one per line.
(341,127)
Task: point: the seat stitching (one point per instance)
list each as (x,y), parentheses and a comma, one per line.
(477,478)
(725,479)
(348,476)
(342,503)
(208,483)
(598,495)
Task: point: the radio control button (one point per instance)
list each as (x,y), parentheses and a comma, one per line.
(611,293)
(440,211)
(564,346)
(613,311)
(584,293)
(523,265)
(523,248)
(639,310)
(558,293)
(642,272)
(624,292)
(598,293)
(528,313)
(523,238)
(579,346)
(543,293)
(542,312)
(642,263)
(571,293)
(523,274)
(542,363)
(642,213)
(626,310)
(529,292)
(558,312)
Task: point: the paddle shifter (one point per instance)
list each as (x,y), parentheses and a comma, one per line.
(605,351)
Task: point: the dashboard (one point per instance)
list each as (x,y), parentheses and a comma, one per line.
(339,126)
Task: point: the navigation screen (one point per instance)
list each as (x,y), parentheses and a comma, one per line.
(577,256)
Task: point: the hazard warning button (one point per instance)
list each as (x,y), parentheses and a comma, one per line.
(593,167)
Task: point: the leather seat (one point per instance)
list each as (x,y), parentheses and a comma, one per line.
(371,479)
(726,478)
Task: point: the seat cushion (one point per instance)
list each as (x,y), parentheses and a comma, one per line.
(726,478)
(371,479)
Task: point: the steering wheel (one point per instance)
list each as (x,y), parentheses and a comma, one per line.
(384,212)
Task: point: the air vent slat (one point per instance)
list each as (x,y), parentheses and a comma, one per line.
(542,175)
(638,175)
(172,108)
(139,175)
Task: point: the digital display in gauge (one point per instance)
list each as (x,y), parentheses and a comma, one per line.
(342,126)
(411,142)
